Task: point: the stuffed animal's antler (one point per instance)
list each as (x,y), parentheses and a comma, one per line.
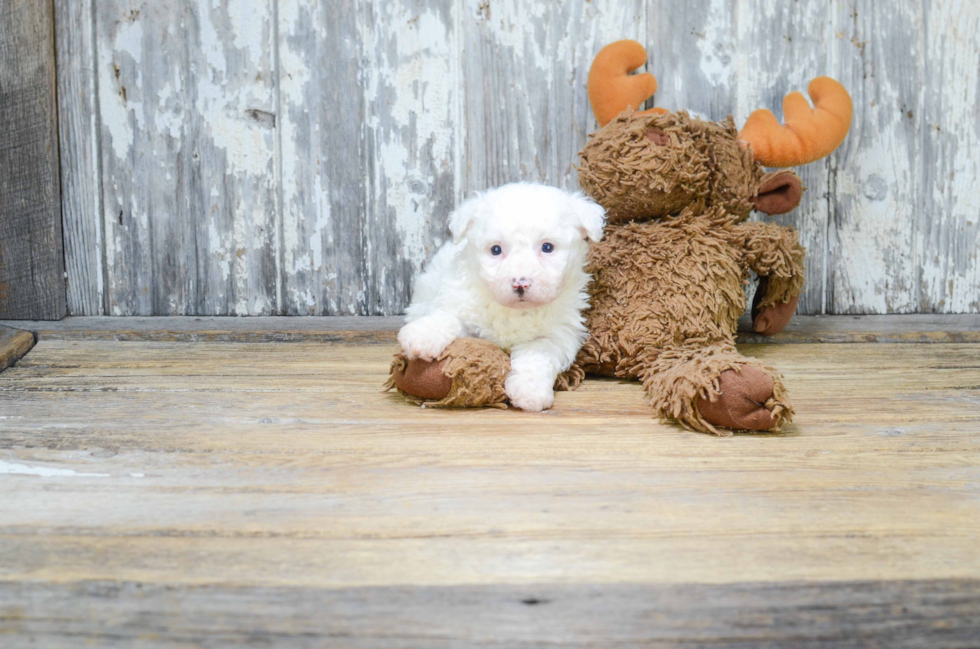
(809,133)
(612,89)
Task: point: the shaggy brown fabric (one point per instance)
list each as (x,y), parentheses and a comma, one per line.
(569,380)
(644,166)
(475,368)
(774,252)
(633,176)
(666,298)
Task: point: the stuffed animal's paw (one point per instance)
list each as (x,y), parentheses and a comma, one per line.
(420,340)
(770,320)
(529,393)
(745,401)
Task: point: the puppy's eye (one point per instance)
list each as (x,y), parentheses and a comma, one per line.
(496,250)
(547,247)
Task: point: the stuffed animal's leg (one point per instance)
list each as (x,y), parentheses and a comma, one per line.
(469,373)
(715,389)
(775,253)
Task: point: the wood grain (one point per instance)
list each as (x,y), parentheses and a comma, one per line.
(524,69)
(81,172)
(411,95)
(947,223)
(324,161)
(369,150)
(244,477)
(32,284)
(285,464)
(187,112)
(14,344)
(357,127)
(872,257)
(899,614)
(944,328)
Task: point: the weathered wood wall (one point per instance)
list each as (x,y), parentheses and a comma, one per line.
(32,271)
(301,156)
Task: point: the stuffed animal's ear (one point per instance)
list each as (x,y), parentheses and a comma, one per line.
(462,218)
(591,216)
(779,192)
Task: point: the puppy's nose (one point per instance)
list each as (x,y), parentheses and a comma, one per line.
(520,285)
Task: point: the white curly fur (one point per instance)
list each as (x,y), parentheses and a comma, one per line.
(524,299)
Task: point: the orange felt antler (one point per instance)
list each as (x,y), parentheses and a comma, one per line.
(809,133)
(612,89)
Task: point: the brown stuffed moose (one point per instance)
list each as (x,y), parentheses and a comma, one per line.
(668,274)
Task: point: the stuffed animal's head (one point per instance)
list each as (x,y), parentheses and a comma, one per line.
(644,165)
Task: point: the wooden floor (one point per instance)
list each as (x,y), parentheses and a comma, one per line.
(217,494)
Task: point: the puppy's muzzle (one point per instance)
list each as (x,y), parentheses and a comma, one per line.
(520,285)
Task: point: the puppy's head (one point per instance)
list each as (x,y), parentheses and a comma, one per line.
(526,241)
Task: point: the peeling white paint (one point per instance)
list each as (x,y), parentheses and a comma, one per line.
(715,45)
(872,239)
(949,241)
(188,106)
(219,251)
(129,39)
(298,179)
(410,87)
(115,112)
(457,95)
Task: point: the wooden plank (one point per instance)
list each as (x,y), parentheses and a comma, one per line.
(369,102)
(524,69)
(878,51)
(835,614)
(187,111)
(219,329)
(694,52)
(780,48)
(324,164)
(390,116)
(32,284)
(271,491)
(923,328)
(412,97)
(81,186)
(14,344)
(947,221)
(919,328)
(284,465)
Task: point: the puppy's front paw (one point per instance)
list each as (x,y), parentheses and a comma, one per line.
(528,393)
(421,340)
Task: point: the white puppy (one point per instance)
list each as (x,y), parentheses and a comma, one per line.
(514,275)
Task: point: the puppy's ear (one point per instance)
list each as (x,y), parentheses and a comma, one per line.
(462,218)
(591,216)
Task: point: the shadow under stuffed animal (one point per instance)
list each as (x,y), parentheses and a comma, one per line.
(668,275)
